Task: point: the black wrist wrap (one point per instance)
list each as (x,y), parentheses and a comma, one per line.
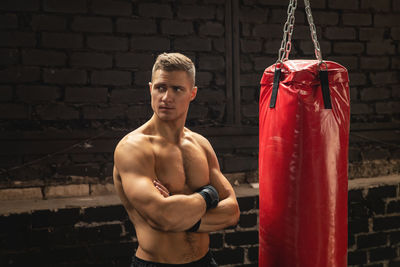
(210,195)
(195,227)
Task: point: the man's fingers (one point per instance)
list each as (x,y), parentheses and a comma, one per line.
(162,189)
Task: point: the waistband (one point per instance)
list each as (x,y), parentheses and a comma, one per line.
(207,260)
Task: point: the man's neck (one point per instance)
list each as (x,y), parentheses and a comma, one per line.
(170,130)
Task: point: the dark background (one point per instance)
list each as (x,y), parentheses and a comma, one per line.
(73,81)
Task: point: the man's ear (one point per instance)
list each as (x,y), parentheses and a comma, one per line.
(193,93)
(150,86)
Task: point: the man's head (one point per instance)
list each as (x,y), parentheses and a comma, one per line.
(172,86)
(173,62)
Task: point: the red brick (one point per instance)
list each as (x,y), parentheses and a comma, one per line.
(252,79)
(211,29)
(254,15)
(196,12)
(86,94)
(143,26)
(43,58)
(343,4)
(367,34)
(20,5)
(357,19)
(65,76)
(92,24)
(17,39)
(192,44)
(307,47)
(62,40)
(250,46)
(357,79)
(395,33)
(57,112)
(395,63)
(142,78)
(109,7)
(381,48)
(351,62)
(342,33)
(374,63)
(219,44)
(150,43)
(48,23)
(13,111)
(111,77)
(197,112)
(154,10)
(388,108)
(19,74)
(8,21)
(175,27)
(325,18)
(374,94)
(6,93)
(386,20)
(130,96)
(95,60)
(139,112)
(211,63)
(239,163)
(268,31)
(383,5)
(358,108)
(9,56)
(38,93)
(104,113)
(203,78)
(384,78)
(65,6)
(108,43)
(134,60)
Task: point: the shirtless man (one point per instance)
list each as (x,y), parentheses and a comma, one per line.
(168,177)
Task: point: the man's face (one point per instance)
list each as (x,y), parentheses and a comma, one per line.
(171,94)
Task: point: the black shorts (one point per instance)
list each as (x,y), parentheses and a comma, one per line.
(206,261)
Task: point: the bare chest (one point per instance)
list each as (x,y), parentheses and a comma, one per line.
(183,168)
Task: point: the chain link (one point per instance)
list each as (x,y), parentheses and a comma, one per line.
(286,44)
(313,30)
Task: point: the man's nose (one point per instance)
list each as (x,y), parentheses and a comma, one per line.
(167,95)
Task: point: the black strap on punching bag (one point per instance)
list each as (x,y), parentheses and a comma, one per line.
(323,76)
(274,93)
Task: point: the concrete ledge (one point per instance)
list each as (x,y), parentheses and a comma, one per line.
(26,205)
(361,183)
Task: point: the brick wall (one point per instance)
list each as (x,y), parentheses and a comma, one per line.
(96,231)
(73,78)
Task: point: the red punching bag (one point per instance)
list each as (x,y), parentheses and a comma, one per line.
(303,152)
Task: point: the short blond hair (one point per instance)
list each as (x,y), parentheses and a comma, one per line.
(173,62)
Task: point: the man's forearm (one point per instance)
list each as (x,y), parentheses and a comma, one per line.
(224,215)
(179,212)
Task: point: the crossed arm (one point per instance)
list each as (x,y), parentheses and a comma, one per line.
(176,213)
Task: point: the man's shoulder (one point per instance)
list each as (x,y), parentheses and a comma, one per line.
(203,141)
(134,143)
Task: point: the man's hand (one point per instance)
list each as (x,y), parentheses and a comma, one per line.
(161,188)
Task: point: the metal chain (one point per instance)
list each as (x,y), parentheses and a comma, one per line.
(313,30)
(286,44)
